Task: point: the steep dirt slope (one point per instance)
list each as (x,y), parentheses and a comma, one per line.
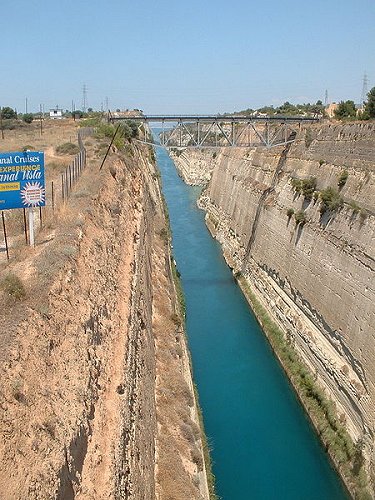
(79,415)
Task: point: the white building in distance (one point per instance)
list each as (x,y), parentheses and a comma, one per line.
(56,114)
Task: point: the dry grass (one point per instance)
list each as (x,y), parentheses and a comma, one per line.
(13,286)
(68,148)
(56,237)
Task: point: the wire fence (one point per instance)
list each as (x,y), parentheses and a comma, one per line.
(72,173)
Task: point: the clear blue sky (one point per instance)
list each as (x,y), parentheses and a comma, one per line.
(184,56)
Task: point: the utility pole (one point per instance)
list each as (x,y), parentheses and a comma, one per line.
(25,105)
(84,98)
(41,119)
(364,89)
(326,99)
(106,104)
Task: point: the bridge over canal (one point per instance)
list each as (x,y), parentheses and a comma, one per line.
(214,131)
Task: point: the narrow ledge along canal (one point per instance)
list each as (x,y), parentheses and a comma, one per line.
(263,446)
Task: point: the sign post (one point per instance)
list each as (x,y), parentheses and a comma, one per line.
(31,227)
(22,183)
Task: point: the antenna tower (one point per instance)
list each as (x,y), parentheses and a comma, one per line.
(364,89)
(84,97)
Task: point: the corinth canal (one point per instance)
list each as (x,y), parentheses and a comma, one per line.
(263,446)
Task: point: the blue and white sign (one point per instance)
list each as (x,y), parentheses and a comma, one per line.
(22,182)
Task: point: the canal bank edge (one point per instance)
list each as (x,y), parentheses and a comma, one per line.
(322,416)
(206,476)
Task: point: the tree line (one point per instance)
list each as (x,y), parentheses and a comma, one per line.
(344,110)
(348,110)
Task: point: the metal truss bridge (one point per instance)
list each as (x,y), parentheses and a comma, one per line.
(215,131)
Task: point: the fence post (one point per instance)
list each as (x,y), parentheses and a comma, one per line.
(53,197)
(66,185)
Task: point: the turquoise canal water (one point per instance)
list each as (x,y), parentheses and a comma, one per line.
(263,447)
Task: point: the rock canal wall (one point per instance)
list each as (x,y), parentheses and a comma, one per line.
(316,279)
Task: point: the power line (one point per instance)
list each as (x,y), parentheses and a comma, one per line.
(84,97)
(364,89)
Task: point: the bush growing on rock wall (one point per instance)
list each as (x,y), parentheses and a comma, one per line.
(330,200)
(130,129)
(354,206)
(304,186)
(308,187)
(196,457)
(290,212)
(308,138)
(300,217)
(296,184)
(363,214)
(343,177)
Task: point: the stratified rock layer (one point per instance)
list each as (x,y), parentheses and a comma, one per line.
(316,279)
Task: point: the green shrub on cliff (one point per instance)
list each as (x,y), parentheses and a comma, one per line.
(330,200)
(296,184)
(300,217)
(308,187)
(308,138)
(304,186)
(343,177)
(290,212)
(354,206)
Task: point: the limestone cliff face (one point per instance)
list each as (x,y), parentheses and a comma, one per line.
(194,168)
(317,279)
(79,415)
